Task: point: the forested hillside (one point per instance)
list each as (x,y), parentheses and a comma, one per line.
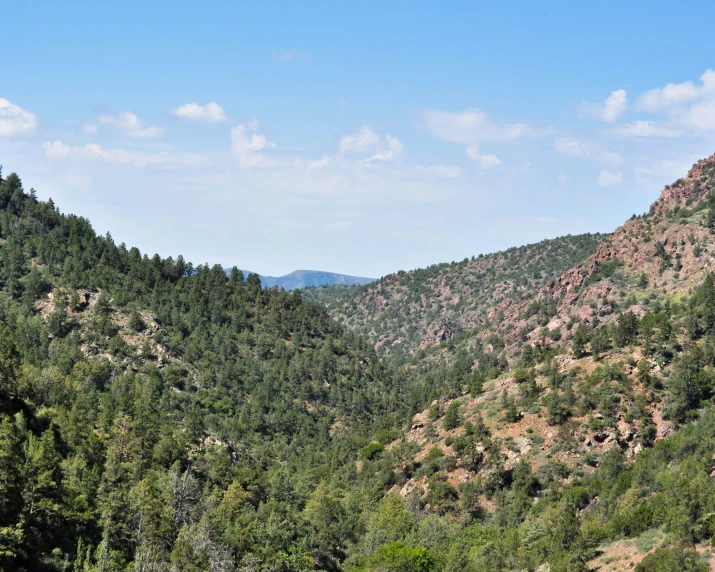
(160,417)
(157,413)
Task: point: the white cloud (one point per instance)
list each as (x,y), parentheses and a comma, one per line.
(209,113)
(15,121)
(318,164)
(687,105)
(392,148)
(130,125)
(645,129)
(446,171)
(471,126)
(93,152)
(700,116)
(342,102)
(246,144)
(90,129)
(365,139)
(609,179)
(615,105)
(676,95)
(487,161)
(56,149)
(563,178)
(586,150)
(610,110)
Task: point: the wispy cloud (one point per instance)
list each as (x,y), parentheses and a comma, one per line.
(248,145)
(471,126)
(367,140)
(92,152)
(586,150)
(16,121)
(611,109)
(645,129)
(446,171)
(609,179)
(209,113)
(486,161)
(130,125)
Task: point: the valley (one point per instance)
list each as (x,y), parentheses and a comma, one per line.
(548,407)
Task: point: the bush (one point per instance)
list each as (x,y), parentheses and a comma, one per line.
(400,558)
(136,323)
(452,419)
(442,496)
(371,451)
(672,560)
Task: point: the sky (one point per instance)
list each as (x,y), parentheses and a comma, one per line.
(355,137)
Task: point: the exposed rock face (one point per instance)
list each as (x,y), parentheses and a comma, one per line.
(673,255)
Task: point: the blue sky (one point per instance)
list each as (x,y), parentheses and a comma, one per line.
(361,138)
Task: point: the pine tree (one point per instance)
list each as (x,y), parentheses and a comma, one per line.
(580,341)
(451,416)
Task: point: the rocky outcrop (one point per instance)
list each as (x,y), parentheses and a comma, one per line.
(690,189)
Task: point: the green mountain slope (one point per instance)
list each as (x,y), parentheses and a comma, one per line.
(156,413)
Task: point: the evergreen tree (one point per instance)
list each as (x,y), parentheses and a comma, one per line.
(580,341)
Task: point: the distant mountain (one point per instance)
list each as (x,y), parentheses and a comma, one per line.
(308,278)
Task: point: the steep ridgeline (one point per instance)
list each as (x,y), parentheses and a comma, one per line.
(410,311)
(650,260)
(156,416)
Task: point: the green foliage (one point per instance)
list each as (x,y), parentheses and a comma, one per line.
(188,450)
(580,341)
(672,560)
(371,451)
(452,418)
(511,414)
(605,270)
(136,322)
(396,557)
(600,341)
(627,329)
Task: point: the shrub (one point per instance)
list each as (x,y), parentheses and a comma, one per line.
(451,417)
(672,560)
(136,323)
(372,450)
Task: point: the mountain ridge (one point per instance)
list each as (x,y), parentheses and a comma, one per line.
(299,279)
